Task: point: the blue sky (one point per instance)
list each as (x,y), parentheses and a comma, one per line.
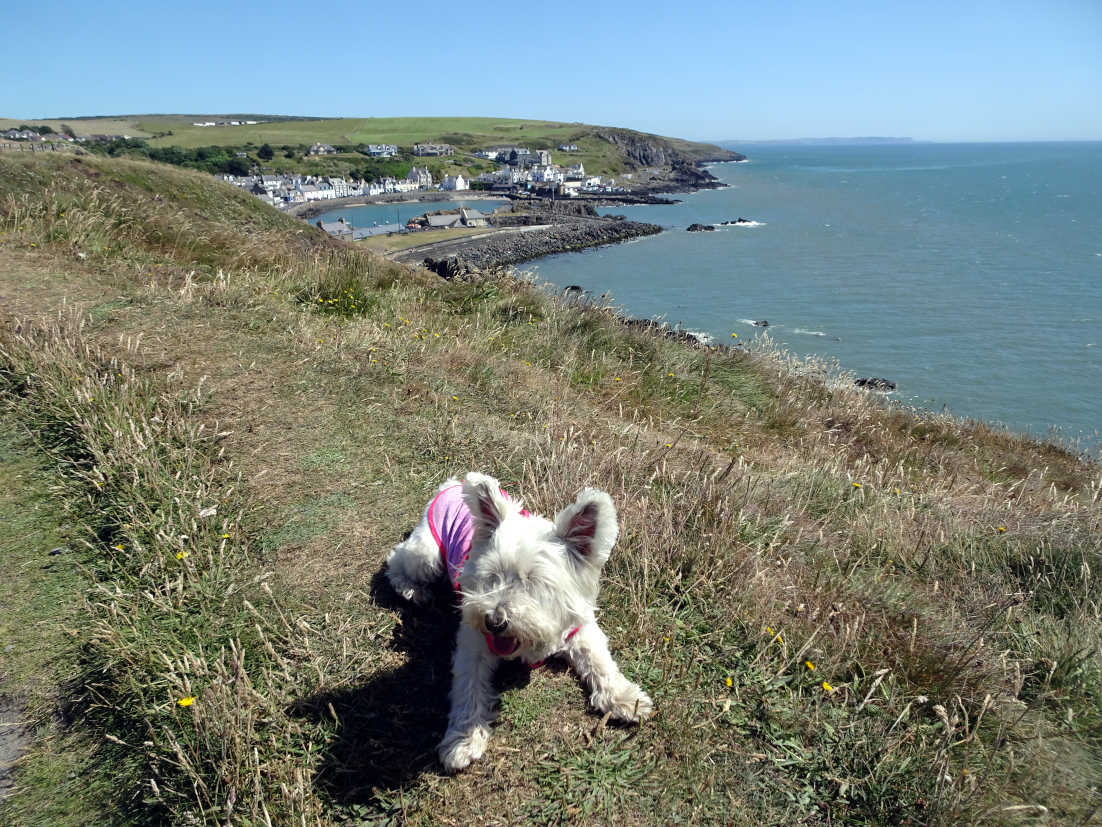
(960,70)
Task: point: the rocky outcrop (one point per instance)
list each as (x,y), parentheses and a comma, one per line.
(644,150)
(700,228)
(462,256)
(875,383)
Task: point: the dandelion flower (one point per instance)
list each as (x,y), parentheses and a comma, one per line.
(180,555)
(827,687)
(455,398)
(225,536)
(118,548)
(857,485)
(669,444)
(734,335)
(669,374)
(1001,529)
(618,379)
(188,701)
(729,682)
(809,665)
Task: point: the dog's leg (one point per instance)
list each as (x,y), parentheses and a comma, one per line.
(415,563)
(472,701)
(609,690)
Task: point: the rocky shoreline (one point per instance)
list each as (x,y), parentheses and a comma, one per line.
(533,236)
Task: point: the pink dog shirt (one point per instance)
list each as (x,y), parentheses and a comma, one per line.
(452,527)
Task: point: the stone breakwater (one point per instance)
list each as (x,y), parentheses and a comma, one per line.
(523,243)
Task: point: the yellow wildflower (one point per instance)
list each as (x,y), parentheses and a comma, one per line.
(809,665)
(455,398)
(857,485)
(180,555)
(827,687)
(225,536)
(1001,529)
(734,335)
(118,548)
(188,701)
(729,682)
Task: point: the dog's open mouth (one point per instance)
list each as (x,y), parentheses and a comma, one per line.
(502,646)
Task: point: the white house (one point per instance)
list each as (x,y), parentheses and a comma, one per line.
(455,183)
(381,150)
(547,174)
(420,176)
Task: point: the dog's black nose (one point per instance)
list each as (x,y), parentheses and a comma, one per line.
(496,624)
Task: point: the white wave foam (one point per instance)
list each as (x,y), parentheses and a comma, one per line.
(808,332)
(726,225)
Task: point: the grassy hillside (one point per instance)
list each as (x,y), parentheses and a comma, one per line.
(465,134)
(844,612)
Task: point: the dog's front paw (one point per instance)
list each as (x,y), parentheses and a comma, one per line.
(625,703)
(459,750)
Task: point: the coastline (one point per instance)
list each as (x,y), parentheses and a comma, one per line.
(551,227)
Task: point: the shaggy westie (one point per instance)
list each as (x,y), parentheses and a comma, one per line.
(529,590)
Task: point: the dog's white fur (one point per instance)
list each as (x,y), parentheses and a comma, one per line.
(538,577)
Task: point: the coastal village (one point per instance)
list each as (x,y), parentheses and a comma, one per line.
(520,169)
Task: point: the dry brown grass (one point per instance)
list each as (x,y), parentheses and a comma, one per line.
(940,576)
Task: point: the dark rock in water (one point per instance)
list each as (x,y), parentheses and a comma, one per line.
(573,288)
(666,330)
(875,383)
(762,323)
(701,228)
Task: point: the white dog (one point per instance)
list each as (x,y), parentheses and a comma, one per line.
(529,591)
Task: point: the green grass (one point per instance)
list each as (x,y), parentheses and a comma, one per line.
(922,645)
(42,628)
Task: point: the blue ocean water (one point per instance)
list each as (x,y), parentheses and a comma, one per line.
(969,274)
(399,212)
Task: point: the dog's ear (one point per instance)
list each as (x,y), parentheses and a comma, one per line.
(588,527)
(488,505)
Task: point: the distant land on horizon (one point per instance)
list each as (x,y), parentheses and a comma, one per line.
(821,141)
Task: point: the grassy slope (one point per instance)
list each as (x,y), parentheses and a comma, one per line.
(466,134)
(941,578)
(41,630)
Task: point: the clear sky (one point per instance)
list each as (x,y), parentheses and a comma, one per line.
(938,69)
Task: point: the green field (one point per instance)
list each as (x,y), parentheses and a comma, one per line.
(466,134)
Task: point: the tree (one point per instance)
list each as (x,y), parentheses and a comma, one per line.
(237,166)
(265,153)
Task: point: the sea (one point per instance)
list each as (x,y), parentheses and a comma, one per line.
(968,274)
(399,212)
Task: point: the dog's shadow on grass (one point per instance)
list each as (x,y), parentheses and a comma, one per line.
(390,726)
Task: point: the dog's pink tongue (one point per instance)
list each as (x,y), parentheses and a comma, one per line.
(502,646)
